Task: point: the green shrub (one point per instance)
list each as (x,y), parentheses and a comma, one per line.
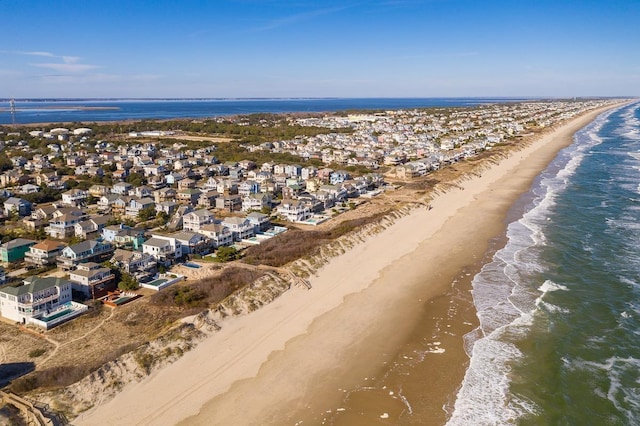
(37,352)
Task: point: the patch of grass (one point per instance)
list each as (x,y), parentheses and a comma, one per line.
(36,353)
(295,244)
(207,291)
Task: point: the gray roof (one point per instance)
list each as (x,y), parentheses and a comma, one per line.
(234,219)
(34,285)
(16,200)
(156,242)
(256,215)
(89,273)
(18,242)
(84,246)
(101,220)
(185,235)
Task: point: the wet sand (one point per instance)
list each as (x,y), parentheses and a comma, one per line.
(377,338)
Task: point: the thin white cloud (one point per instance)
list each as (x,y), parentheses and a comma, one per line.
(47,54)
(70,59)
(292,19)
(67,67)
(68,64)
(28,53)
(100,78)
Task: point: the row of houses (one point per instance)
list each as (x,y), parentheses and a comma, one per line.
(128,249)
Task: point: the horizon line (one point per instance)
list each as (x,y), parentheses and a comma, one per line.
(54,99)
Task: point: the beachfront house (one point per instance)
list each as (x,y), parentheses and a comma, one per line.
(142,266)
(294,210)
(44,302)
(92,281)
(193,242)
(240,227)
(162,248)
(219,234)
(259,221)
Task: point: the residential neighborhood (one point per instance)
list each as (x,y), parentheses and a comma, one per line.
(81,207)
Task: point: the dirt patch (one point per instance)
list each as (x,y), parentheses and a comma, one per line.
(197,138)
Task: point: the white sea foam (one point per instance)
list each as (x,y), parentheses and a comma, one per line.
(506,303)
(549,286)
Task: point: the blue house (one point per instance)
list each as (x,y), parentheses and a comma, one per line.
(18,205)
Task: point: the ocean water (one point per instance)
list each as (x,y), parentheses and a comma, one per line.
(559,305)
(83,110)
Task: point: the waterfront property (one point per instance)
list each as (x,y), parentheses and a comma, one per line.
(92,280)
(162,281)
(294,210)
(240,227)
(44,302)
(141,265)
(163,249)
(118,298)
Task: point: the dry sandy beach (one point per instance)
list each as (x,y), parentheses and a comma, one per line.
(298,357)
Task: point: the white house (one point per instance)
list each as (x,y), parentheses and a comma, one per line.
(256,202)
(220,235)
(193,221)
(42,301)
(162,248)
(240,227)
(74,196)
(294,210)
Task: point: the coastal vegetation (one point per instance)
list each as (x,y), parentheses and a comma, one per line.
(296,243)
(206,292)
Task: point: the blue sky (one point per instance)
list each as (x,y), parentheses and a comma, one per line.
(318,48)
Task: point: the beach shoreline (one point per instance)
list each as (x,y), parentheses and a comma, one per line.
(293,358)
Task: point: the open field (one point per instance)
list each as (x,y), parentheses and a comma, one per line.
(198,138)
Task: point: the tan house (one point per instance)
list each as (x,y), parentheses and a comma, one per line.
(44,253)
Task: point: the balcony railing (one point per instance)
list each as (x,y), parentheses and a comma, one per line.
(38,301)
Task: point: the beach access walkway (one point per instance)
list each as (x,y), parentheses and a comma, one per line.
(35,414)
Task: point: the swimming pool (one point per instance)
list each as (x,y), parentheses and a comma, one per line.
(52,317)
(158,282)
